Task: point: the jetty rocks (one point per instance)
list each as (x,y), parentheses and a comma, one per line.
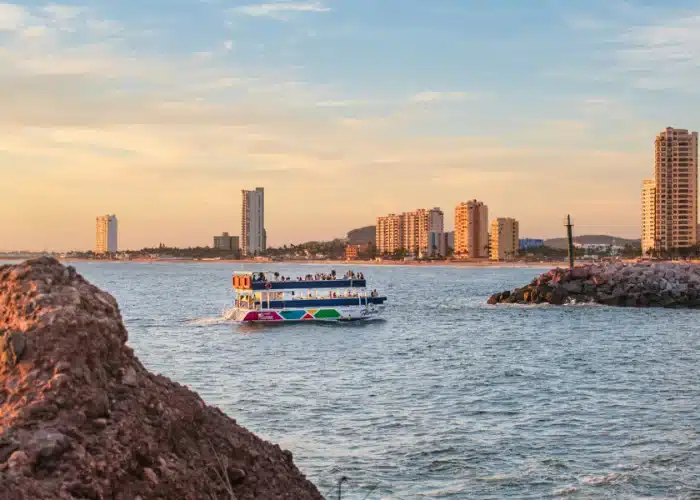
(616,284)
(81,418)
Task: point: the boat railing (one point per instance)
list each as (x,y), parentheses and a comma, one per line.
(276,276)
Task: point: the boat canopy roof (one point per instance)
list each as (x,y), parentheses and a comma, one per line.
(274,281)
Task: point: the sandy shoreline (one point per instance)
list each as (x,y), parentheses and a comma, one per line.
(466,263)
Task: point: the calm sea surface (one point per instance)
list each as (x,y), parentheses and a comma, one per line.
(445,398)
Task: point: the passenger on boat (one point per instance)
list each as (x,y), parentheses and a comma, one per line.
(374,293)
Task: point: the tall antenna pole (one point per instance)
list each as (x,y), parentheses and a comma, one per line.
(571,241)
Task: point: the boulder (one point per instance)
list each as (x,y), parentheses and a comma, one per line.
(573,287)
(619,284)
(80,416)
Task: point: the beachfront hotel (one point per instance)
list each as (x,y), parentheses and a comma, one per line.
(505,237)
(471,230)
(670,200)
(253,235)
(409,231)
(106,233)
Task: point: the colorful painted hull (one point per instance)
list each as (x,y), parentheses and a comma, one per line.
(325,314)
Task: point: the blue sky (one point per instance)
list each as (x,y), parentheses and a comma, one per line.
(161,111)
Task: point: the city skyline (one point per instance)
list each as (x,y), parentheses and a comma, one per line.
(342,109)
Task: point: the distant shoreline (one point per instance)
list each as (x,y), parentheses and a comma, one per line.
(484,264)
(465,263)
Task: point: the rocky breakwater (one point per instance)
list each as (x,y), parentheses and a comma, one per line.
(617,284)
(81,418)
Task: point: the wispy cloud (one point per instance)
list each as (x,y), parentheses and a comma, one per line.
(278,9)
(343,103)
(432,96)
(662,55)
(62,12)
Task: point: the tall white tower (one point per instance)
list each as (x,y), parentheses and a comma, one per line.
(253,235)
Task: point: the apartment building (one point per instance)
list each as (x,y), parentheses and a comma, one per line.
(440,243)
(505,238)
(389,234)
(676,180)
(253,234)
(226,242)
(648,215)
(408,231)
(106,234)
(471,230)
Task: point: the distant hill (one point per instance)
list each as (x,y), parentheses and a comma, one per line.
(593,239)
(363,235)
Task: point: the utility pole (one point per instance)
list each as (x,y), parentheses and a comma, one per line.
(571,241)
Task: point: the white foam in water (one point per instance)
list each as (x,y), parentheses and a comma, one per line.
(611,478)
(205,321)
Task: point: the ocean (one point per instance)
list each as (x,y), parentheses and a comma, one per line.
(446,397)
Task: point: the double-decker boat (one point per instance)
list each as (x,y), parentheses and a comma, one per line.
(271,298)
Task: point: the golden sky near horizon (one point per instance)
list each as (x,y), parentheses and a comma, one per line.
(166,141)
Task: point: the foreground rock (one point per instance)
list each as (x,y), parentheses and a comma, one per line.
(619,284)
(81,418)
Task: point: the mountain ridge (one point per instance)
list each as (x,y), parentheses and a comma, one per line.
(593,239)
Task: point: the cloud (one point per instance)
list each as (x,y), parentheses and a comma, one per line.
(345,103)
(432,96)
(662,55)
(34,32)
(104,27)
(277,9)
(62,12)
(90,126)
(12,17)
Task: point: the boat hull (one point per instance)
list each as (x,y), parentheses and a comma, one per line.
(318,314)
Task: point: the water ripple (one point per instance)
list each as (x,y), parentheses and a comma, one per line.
(447,398)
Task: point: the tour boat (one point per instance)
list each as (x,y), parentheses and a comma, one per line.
(271,298)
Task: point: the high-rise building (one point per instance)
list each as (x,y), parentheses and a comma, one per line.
(648,215)
(440,244)
(471,230)
(106,234)
(253,234)
(389,234)
(408,231)
(505,238)
(676,179)
(226,242)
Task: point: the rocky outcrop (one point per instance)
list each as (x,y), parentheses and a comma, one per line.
(81,418)
(618,284)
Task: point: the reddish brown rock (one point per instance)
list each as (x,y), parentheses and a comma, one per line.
(80,417)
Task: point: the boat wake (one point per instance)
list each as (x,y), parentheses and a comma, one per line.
(206,321)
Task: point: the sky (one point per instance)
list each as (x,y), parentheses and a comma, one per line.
(162,111)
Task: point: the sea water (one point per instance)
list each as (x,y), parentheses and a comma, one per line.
(447,397)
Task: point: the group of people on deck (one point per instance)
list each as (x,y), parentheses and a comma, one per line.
(349,275)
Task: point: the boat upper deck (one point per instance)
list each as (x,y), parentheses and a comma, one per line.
(274,281)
